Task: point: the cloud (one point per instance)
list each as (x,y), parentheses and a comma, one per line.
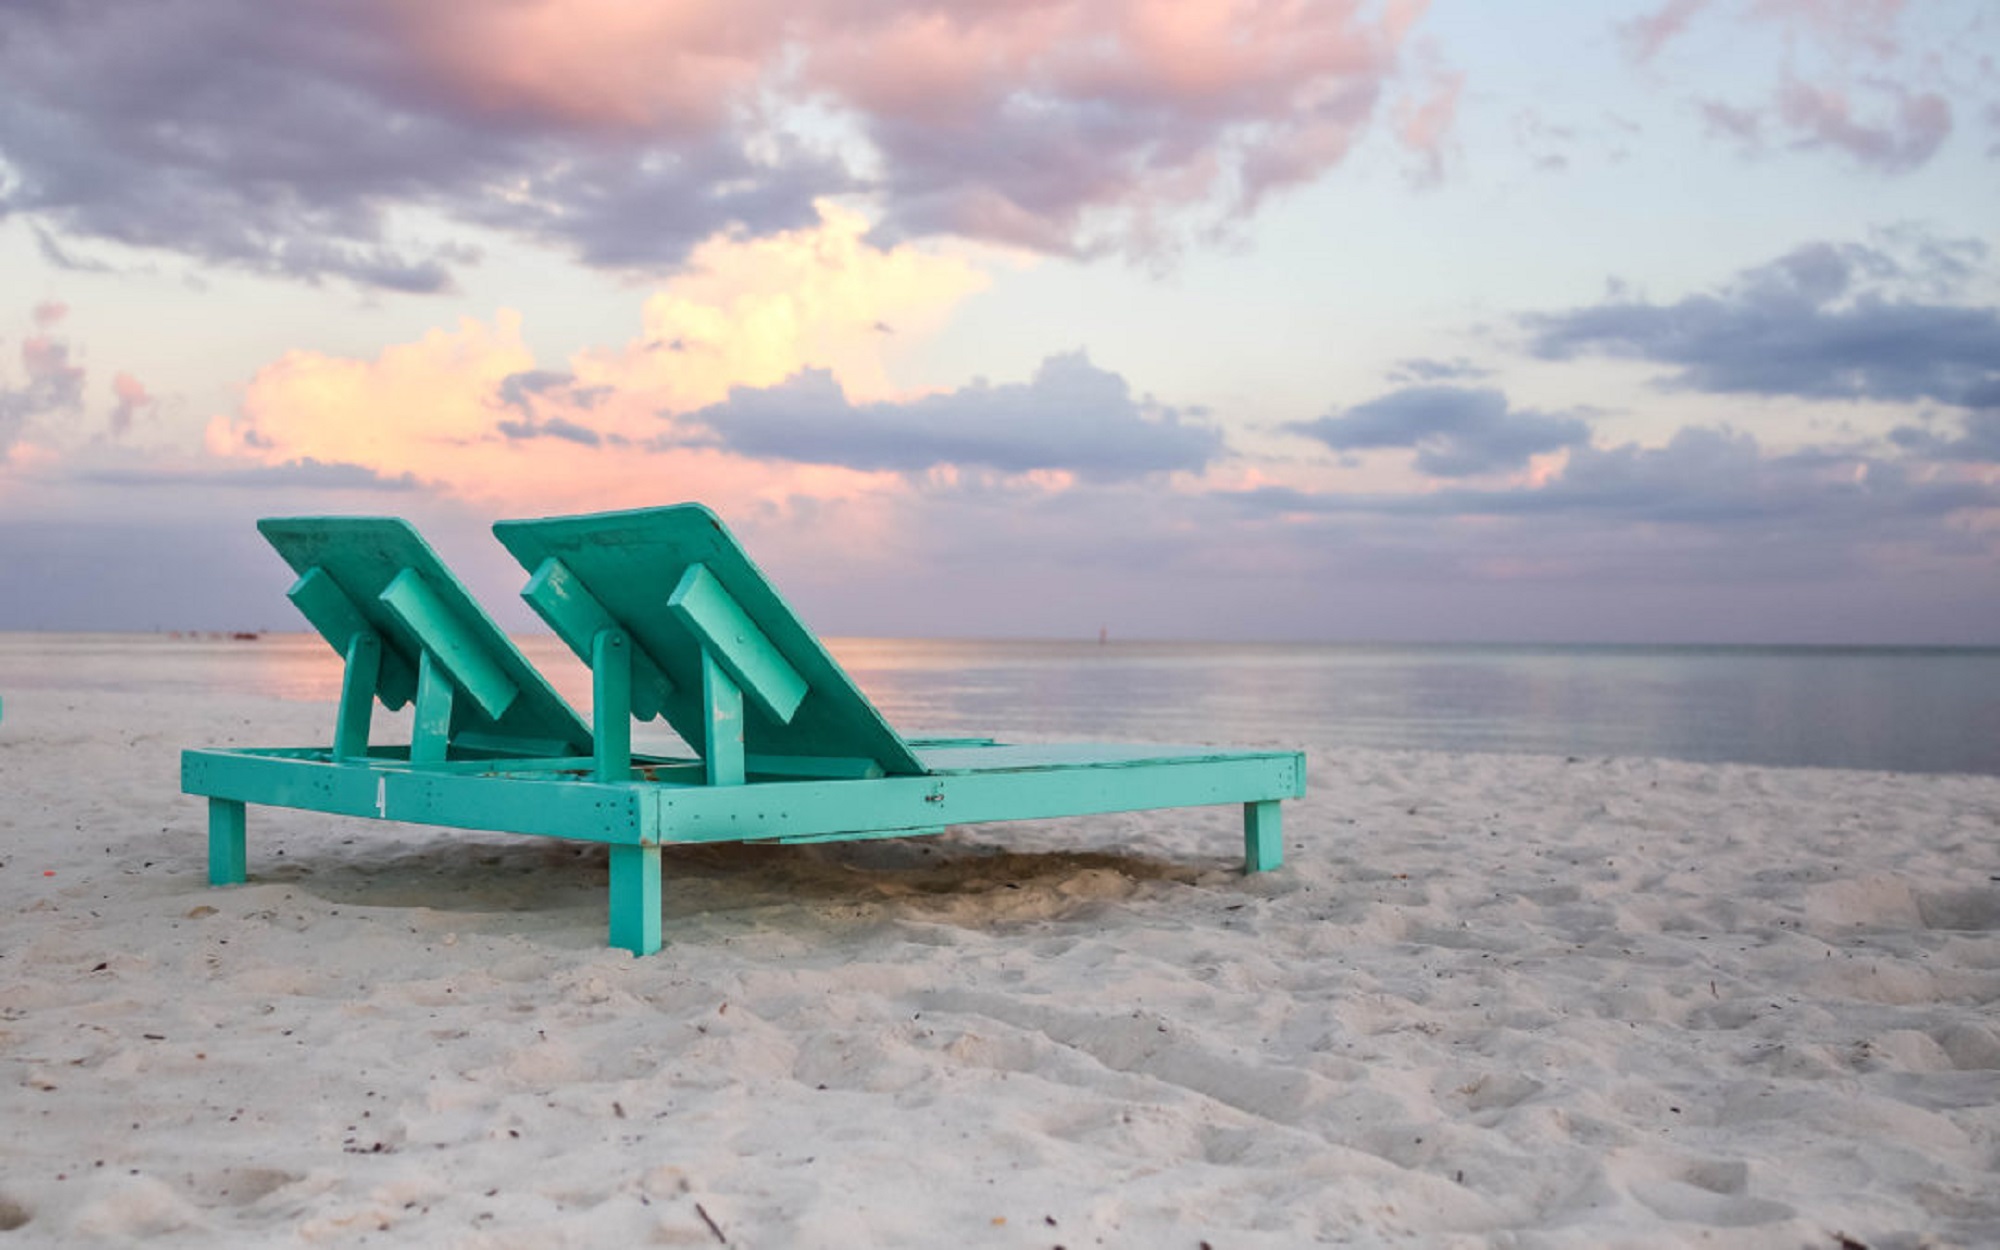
(1744,125)
(1646,34)
(301,140)
(50,383)
(519,390)
(1456,431)
(1072,416)
(1845,27)
(470,410)
(1907,137)
(1825,321)
(534,392)
(1710,509)
(1978,443)
(63,258)
(1711,536)
(1427,369)
(287,141)
(1856,26)
(303,474)
(1701,477)
(751,312)
(1840,79)
(414,406)
(1424,126)
(1901,136)
(132,400)
(1084,124)
(554,427)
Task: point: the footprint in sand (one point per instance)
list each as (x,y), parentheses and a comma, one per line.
(239,1187)
(1710,1192)
(1975,911)
(13,1215)
(135,1208)
(1498,1091)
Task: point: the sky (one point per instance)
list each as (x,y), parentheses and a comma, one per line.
(1661,321)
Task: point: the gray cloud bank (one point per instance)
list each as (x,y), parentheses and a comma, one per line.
(1456,431)
(289,139)
(1825,321)
(1071,416)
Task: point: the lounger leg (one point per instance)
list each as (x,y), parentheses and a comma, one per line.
(227,854)
(1263,842)
(635,898)
(611,704)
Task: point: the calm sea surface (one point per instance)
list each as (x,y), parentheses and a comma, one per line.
(1911,710)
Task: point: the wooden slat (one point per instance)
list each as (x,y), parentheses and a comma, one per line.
(559,807)
(321,601)
(727,633)
(722,734)
(560,598)
(336,617)
(611,697)
(411,600)
(1140,782)
(430,721)
(820,767)
(358,682)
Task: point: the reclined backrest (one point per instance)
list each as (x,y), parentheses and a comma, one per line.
(363,577)
(680,587)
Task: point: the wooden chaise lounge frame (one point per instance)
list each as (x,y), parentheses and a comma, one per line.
(675,622)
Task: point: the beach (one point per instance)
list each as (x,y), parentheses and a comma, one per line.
(1490,1000)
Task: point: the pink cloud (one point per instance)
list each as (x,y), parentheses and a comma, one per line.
(132,399)
(1904,138)
(1820,91)
(1852,25)
(1746,126)
(50,383)
(471,413)
(609,64)
(1846,26)
(1425,125)
(626,132)
(1051,125)
(1645,35)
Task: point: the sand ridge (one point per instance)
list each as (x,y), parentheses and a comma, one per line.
(1491,1000)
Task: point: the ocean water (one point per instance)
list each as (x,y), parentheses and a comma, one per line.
(1905,710)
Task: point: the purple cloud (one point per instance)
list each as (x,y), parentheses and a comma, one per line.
(1456,431)
(50,383)
(305,473)
(1908,135)
(1646,34)
(1825,321)
(286,139)
(1071,416)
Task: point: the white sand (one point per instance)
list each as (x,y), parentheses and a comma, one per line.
(1490,1001)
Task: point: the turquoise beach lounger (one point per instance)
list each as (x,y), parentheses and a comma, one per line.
(676,623)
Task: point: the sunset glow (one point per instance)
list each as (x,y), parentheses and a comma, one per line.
(1000,319)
